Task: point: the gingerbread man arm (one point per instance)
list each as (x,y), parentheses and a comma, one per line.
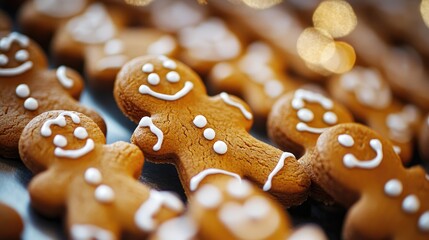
(128,158)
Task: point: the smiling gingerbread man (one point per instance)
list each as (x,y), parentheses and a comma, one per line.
(203,136)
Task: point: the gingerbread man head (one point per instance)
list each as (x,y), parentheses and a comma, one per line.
(360,169)
(78,174)
(202,135)
(28,88)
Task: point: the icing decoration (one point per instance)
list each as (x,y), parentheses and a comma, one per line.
(5,44)
(399,123)
(7,41)
(21,55)
(77,153)
(3,59)
(93,176)
(165,45)
(397,149)
(22,91)
(273,88)
(46,131)
(346,140)
(222,70)
(113,47)
(180,228)
(200,121)
(116,61)
(195,180)
(411,204)
(60,141)
(330,118)
(31,104)
(170,64)
(173,77)
(312,97)
(220,147)
(350,160)
(147,211)
(209,134)
(80,133)
(239,189)
(424,222)
(148,68)
(153,79)
(147,122)
(143,89)
(86,231)
(59,8)
(209,196)
(305,115)
(93,26)
(104,194)
(304,127)
(6,72)
(65,81)
(279,166)
(393,188)
(225,97)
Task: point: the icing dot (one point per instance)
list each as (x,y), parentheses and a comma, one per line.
(330,118)
(424,221)
(393,188)
(209,133)
(257,207)
(238,189)
(93,176)
(31,104)
(397,149)
(153,79)
(273,88)
(173,76)
(3,59)
(209,196)
(113,46)
(346,140)
(220,147)
(411,204)
(297,103)
(170,64)
(21,55)
(148,68)
(60,141)
(22,91)
(80,133)
(104,194)
(200,121)
(305,115)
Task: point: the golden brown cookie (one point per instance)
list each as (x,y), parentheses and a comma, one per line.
(424,139)
(93,184)
(180,124)
(11,224)
(360,169)
(28,88)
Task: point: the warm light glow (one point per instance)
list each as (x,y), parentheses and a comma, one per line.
(424,10)
(336,17)
(261,4)
(138,2)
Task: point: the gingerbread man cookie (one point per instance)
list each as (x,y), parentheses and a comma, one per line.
(5,22)
(11,225)
(257,76)
(28,88)
(201,135)
(424,140)
(95,184)
(364,92)
(230,208)
(296,121)
(360,169)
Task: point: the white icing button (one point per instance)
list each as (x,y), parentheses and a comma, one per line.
(411,204)
(305,115)
(80,133)
(238,189)
(346,140)
(200,121)
(31,104)
(60,141)
(173,77)
(21,55)
(93,176)
(22,91)
(393,188)
(104,194)
(209,134)
(148,68)
(3,60)
(256,207)
(209,196)
(330,118)
(220,147)
(424,222)
(153,79)
(170,64)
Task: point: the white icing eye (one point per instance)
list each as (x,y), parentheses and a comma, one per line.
(330,118)
(305,115)
(148,68)
(22,91)
(297,103)
(393,188)
(200,121)
(60,141)
(346,140)
(209,134)
(239,189)
(80,133)
(256,207)
(153,79)
(21,55)
(170,64)
(209,196)
(173,77)
(3,60)
(273,88)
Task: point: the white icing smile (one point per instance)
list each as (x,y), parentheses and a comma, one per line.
(16,70)
(351,161)
(76,153)
(144,89)
(304,127)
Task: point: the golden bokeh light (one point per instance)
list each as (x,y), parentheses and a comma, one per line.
(138,2)
(313,43)
(424,10)
(261,4)
(336,17)
(342,60)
